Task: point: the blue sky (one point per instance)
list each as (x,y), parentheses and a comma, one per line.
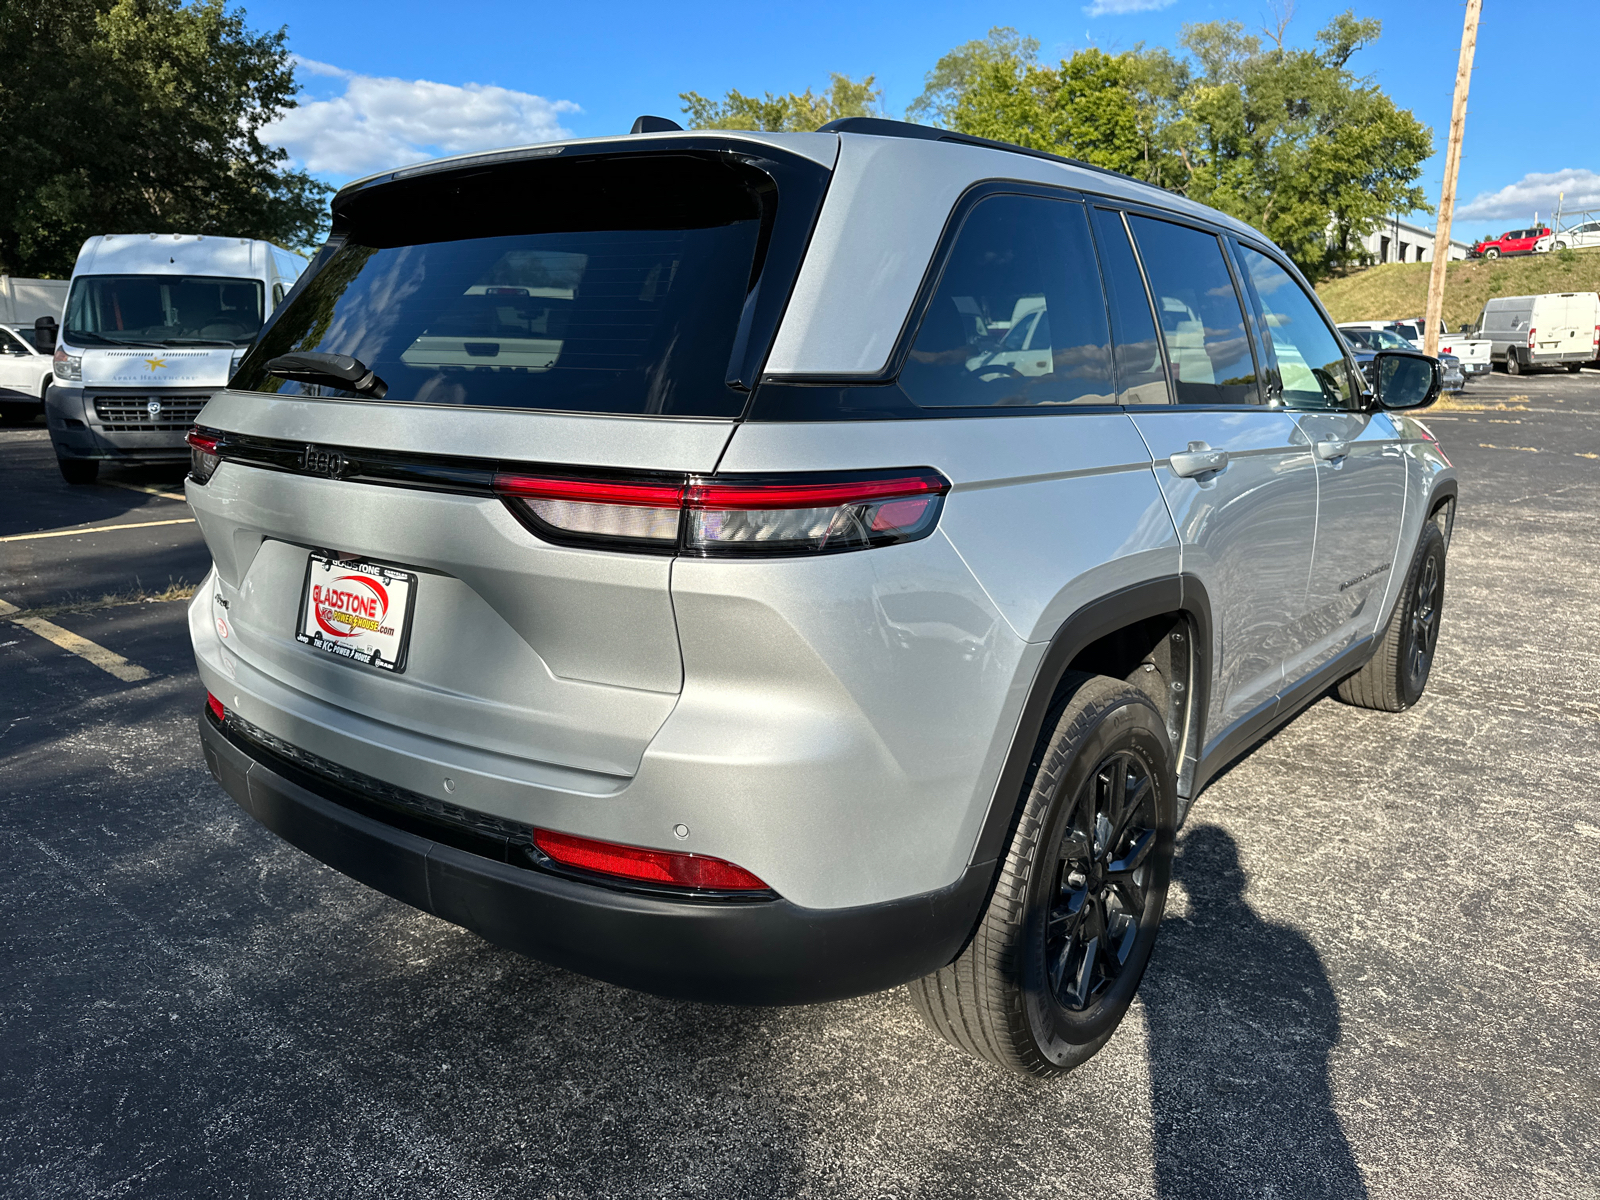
(397,82)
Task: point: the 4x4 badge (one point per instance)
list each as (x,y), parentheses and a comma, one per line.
(319,461)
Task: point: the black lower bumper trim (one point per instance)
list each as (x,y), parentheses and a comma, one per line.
(773,952)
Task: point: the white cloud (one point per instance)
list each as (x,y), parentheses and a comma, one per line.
(1117,8)
(379,123)
(1535,192)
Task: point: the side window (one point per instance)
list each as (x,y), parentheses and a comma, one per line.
(278,293)
(1199,312)
(9,344)
(1311,363)
(1141,375)
(1018,317)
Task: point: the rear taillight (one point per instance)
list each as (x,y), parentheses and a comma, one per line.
(646,866)
(751,515)
(203,456)
(215,706)
(1597,336)
(1531,332)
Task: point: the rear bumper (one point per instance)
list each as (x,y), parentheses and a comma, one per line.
(732,952)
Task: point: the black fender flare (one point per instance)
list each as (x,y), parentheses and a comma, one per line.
(1151,598)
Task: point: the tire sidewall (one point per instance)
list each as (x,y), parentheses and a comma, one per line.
(1062,1037)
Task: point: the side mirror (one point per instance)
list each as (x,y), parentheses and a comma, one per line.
(1465,328)
(44,334)
(1406,381)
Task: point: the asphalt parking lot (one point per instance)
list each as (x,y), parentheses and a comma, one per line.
(1379,975)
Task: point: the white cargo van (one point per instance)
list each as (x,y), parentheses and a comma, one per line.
(154,323)
(1557,329)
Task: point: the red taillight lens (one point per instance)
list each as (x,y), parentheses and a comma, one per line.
(646,866)
(1531,332)
(215,706)
(783,517)
(203,456)
(599,509)
(752,515)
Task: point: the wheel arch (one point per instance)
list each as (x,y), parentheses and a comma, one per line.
(1165,622)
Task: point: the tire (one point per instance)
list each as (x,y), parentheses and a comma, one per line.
(1396,676)
(1574,368)
(1558,245)
(1514,362)
(1491,252)
(12,413)
(78,470)
(1034,992)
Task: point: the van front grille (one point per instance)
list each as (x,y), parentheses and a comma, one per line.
(135,414)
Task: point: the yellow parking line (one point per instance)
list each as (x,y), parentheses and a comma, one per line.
(108,661)
(146,488)
(49,533)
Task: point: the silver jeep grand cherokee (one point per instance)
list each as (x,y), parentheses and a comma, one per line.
(772,568)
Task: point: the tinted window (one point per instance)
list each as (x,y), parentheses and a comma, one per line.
(614,285)
(1018,317)
(1199,311)
(1311,363)
(1141,375)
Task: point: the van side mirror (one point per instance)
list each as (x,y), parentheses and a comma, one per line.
(1465,328)
(44,334)
(1403,380)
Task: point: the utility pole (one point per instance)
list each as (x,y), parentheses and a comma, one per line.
(1452,167)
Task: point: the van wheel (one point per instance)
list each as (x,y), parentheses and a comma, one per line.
(1513,362)
(78,470)
(1396,676)
(12,413)
(1066,936)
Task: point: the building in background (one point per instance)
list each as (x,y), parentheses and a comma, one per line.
(1401,241)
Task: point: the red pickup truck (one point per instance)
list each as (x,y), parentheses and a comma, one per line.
(1518,241)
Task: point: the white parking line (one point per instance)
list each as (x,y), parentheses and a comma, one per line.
(50,533)
(108,661)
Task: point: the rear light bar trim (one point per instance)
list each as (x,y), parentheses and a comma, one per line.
(657,513)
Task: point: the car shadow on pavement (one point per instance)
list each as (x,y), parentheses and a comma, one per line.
(1241,1021)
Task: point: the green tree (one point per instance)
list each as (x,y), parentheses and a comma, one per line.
(956,71)
(126,116)
(1085,108)
(1294,143)
(795,112)
(1289,140)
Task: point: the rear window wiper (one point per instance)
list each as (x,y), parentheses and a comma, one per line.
(329,370)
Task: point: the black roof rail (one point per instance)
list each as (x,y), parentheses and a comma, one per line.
(882,127)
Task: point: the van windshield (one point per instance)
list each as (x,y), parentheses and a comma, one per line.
(620,292)
(163,310)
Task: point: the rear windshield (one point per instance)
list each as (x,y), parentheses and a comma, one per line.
(606,286)
(162,310)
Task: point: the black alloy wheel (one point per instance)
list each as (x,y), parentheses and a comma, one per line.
(1068,930)
(1422,633)
(1103,878)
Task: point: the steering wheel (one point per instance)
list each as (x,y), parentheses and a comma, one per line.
(996,371)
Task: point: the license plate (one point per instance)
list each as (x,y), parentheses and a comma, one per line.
(357,610)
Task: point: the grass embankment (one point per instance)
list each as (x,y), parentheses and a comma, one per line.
(1399,290)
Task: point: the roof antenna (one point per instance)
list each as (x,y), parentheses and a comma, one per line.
(649,124)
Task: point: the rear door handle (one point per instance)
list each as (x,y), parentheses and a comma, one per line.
(1198,459)
(1331,451)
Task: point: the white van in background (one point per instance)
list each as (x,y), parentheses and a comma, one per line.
(153,324)
(1557,329)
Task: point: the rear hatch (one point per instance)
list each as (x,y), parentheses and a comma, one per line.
(596,308)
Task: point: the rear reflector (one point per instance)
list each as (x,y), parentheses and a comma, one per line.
(646,866)
(779,514)
(215,706)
